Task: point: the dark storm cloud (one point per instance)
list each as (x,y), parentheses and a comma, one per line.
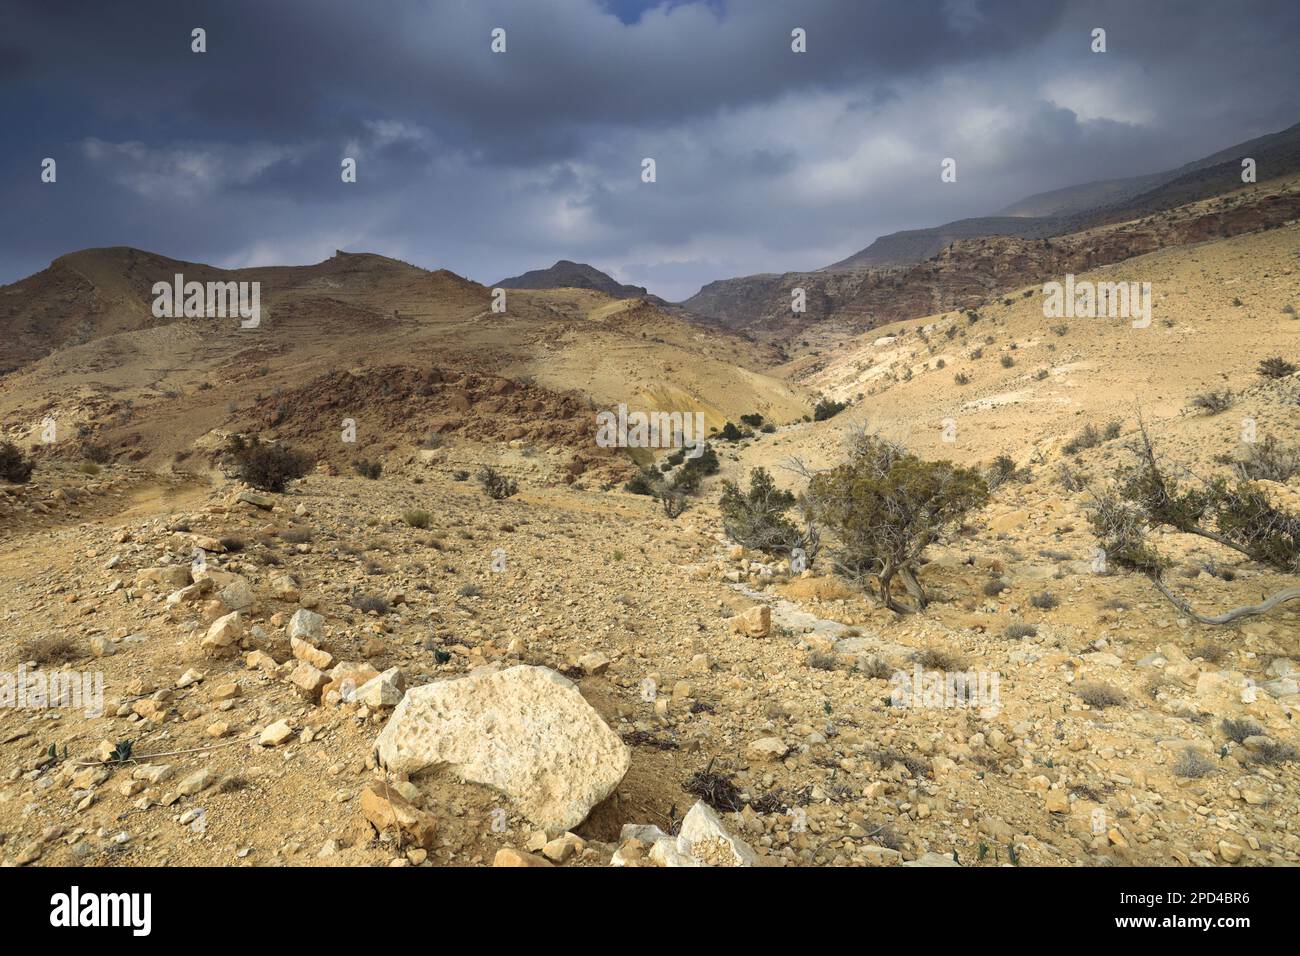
(492,164)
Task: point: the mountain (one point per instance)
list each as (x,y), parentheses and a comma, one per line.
(969,270)
(575,275)
(399,349)
(1073,208)
(903,272)
(915,245)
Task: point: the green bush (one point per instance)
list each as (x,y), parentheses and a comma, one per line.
(14,465)
(417,518)
(756,517)
(496,485)
(885,506)
(269,467)
(827,408)
(1276,367)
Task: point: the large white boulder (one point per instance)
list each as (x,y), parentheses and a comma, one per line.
(525,731)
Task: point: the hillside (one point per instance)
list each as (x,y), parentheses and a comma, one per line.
(156,387)
(722,679)
(575,275)
(734,302)
(969,270)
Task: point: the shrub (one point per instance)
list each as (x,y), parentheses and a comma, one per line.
(672,501)
(469,590)
(1003,470)
(961,378)
(994,588)
(1213,402)
(730,433)
(642,483)
(694,469)
(15,467)
(1045,601)
(1272,752)
(417,518)
(48,650)
(1007,360)
(1236,515)
(1238,730)
(1269,460)
(937,659)
(367,468)
(296,535)
(1088,437)
(753,420)
(270,467)
(369,602)
(767,428)
(875,668)
(1099,695)
(1192,764)
(1276,367)
(885,507)
(1073,480)
(756,518)
(99,454)
(496,485)
(1019,629)
(1209,651)
(827,408)
(88,468)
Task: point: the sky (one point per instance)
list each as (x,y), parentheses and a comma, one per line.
(490,164)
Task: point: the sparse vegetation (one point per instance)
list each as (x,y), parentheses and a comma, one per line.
(269,467)
(1276,367)
(1045,601)
(1268,460)
(15,467)
(1192,765)
(827,408)
(417,518)
(755,517)
(366,603)
(1099,695)
(1213,402)
(885,506)
(47,651)
(1235,514)
(496,485)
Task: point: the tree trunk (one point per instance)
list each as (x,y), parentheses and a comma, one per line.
(1249,610)
(913,585)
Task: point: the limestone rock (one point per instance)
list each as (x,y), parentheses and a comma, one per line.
(525,731)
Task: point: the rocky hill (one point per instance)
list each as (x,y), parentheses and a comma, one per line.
(969,270)
(575,275)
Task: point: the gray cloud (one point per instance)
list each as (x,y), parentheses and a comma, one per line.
(493,164)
